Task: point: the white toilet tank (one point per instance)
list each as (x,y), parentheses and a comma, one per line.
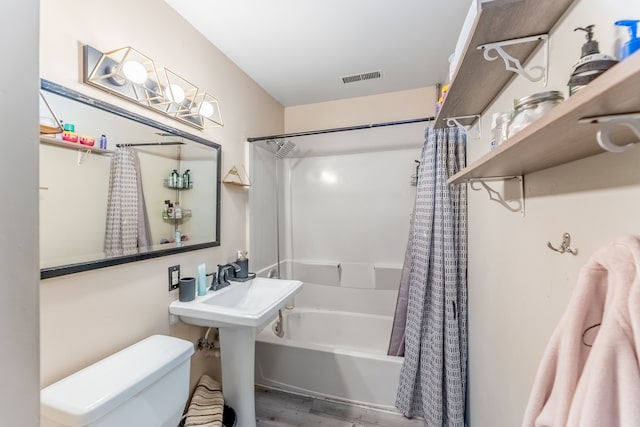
(144,385)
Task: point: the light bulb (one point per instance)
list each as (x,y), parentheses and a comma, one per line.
(134,71)
(174,93)
(206,109)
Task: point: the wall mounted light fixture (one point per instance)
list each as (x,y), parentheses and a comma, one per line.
(131,75)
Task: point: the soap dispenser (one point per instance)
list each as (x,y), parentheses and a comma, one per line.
(243,263)
(634,42)
(592,63)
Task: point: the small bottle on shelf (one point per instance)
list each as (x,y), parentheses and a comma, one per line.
(173,179)
(186,179)
(165,212)
(103,142)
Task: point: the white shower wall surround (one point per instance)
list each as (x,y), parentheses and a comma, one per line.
(354,208)
(345,274)
(344,224)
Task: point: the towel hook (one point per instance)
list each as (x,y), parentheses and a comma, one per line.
(565,246)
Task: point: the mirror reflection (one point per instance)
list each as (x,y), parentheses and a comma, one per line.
(116,187)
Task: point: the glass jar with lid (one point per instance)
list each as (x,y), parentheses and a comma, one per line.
(531,108)
(501,127)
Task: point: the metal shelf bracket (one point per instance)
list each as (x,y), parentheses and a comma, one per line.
(609,123)
(455,122)
(82,153)
(512,205)
(513,64)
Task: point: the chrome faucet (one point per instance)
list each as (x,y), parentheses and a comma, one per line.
(222,279)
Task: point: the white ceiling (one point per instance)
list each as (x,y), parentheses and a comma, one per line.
(298,50)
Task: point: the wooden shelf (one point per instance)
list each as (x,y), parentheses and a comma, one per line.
(236,183)
(478,81)
(72,145)
(557,137)
(237,177)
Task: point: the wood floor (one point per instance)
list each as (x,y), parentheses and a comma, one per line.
(278,409)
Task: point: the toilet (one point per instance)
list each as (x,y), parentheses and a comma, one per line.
(144,385)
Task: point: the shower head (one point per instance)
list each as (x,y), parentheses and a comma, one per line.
(284,148)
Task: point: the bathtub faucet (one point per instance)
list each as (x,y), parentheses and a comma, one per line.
(222,279)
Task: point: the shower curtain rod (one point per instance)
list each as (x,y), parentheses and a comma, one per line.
(318,132)
(149,143)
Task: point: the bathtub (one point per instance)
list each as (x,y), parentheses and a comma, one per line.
(330,354)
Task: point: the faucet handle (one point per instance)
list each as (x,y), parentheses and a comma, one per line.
(214,277)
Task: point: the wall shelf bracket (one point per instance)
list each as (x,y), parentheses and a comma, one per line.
(511,205)
(514,64)
(611,122)
(455,122)
(82,155)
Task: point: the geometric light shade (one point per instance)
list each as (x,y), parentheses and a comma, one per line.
(124,72)
(204,107)
(178,93)
(209,108)
(131,75)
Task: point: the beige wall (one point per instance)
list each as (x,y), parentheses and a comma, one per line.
(394,106)
(19,389)
(518,288)
(89,315)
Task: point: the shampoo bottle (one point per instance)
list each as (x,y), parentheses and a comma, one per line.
(173,179)
(186,179)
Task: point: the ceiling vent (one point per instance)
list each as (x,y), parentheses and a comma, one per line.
(361,77)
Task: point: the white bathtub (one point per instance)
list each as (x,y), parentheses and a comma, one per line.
(331,354)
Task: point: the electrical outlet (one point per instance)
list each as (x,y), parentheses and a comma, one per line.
(174,277)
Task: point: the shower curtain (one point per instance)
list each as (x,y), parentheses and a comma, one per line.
(127,230)
(433,296)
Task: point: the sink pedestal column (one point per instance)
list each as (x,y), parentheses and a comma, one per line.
(237,350)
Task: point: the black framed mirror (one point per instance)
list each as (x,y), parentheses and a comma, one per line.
(177,211)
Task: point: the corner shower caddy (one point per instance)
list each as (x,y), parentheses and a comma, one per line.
(184,213)
(570,131)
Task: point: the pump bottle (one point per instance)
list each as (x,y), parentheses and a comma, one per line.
(634,42)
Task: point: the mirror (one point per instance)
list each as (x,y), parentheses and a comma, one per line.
(75,185)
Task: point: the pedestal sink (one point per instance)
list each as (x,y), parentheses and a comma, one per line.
(238,310)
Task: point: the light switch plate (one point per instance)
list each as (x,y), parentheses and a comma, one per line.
(174,277)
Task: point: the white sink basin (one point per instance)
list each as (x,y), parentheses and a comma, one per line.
(251,303)
(238,310)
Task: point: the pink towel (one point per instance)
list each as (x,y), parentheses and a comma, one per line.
(589,375)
